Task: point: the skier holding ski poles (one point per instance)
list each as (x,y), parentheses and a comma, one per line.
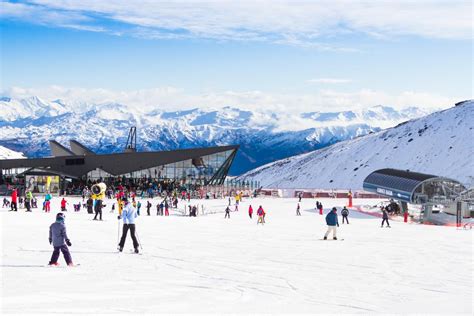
(128,215)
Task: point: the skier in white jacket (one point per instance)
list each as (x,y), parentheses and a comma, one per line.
(129,214)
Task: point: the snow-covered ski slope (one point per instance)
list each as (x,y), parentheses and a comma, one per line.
(210,264)
(441,143)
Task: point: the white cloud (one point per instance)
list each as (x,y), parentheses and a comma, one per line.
(329,80)
(170,98)
(304,23)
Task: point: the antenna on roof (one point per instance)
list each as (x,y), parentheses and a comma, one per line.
(131,145)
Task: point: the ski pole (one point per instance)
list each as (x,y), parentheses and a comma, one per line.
(118,231)
(138,238)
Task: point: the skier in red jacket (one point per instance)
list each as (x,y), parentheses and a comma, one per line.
(14,196)
(63,205)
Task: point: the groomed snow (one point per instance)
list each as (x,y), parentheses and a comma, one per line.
(210,264)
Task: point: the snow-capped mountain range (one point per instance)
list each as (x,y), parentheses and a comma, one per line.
(26,125)
(441,143)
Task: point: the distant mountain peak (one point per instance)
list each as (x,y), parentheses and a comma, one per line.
(439,143)
(27,124)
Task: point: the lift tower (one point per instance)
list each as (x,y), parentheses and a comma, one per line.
(131,146)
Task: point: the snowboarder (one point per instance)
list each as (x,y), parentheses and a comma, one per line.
(148,207)
(250,211)
(128,215)
(261,215)
(298,213)
(332,222)
(227,212)
(60,241)
(300,195)
(63,205)
(385,217)
(345,214)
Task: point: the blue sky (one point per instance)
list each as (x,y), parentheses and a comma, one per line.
(285,55)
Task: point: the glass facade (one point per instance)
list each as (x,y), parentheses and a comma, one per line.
(198,170)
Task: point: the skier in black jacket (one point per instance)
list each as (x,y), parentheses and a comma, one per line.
(385,217)
(345,214)
(148,206)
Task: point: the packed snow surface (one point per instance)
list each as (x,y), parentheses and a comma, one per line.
(440,144)
(209,264)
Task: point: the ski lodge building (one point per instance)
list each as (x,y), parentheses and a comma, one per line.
(185,167)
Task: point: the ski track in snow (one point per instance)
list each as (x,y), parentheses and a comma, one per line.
(210,264)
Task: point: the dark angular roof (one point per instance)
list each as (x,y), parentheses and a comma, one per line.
(79,149)
(115,164)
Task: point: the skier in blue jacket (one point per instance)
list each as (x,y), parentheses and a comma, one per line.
(128,215)
(332,222)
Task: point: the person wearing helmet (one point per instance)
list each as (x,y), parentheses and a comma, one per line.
(128,215)
(332,222)
(60,241)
